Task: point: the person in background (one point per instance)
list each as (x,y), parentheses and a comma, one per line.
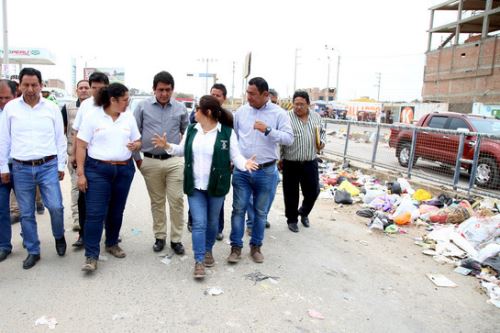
(162,172)
(261,127)
(69,112)
(299,162)
(105,172)
(208,147)
(33,132)
(7,93)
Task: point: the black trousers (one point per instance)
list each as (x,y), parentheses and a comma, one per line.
(306,175)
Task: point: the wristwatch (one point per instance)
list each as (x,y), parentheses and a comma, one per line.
(268,130)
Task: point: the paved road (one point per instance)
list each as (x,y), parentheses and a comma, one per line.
(359,282)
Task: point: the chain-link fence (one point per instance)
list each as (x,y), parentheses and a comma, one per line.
(456,158)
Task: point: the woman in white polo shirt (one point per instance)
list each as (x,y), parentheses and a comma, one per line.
(109,135)
(208,147)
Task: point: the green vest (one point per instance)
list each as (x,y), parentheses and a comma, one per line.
(220,171)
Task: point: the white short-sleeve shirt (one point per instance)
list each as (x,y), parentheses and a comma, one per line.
(107,139)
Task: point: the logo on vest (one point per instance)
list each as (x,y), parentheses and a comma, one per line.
(225,145)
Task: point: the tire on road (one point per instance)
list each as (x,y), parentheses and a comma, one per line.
(403,154)
(487,173)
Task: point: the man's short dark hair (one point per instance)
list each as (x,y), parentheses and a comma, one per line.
(81,82)
(260,83)
(303,94)
(98,77)
(273,92)
(12,86)
(30,72)
(163,77)
(221,87)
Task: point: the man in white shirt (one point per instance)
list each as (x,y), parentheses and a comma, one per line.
(33,132)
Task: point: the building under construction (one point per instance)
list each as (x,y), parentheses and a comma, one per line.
(463,56)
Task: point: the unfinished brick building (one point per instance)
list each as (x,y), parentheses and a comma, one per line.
(464,66)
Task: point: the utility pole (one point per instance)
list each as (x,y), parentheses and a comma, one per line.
(295,70)
(328,58)
(5,42)
(232,87)
(338,75)
(378,76)
(206,61)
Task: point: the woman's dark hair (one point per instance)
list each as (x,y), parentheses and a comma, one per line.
(303,94)
(105,94)
(219,114)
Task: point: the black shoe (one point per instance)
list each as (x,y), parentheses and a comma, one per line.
(30,260)
(159,245)
(178,248)
(61,246)
(293,227)
(79,243)
(305,221)
(268,225)
(219,236)
(4,254)
(40,208)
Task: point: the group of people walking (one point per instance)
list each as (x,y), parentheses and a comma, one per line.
(202,157)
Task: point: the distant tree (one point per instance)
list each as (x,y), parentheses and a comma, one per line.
(184,95)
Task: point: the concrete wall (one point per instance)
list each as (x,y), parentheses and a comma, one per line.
(464,73)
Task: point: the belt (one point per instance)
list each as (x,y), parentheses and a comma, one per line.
(115,162)
(265,165)
(37,162)
(157,157)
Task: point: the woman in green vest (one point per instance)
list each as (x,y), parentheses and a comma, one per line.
(208,147)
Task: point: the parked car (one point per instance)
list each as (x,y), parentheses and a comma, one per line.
(443,148)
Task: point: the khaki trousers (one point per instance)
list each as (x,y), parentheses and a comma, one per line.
(164,180)
(74,194)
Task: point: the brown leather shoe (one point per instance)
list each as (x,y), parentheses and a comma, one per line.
(116,251)
(256,254)
(235,255)
(199,270)
(90,265)
(209,260)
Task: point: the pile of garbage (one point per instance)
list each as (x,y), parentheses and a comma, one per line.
(461,232)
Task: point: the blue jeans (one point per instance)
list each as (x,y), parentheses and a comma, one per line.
(250,210)
(105,199)
(5,226)
(260,184)
(26,178)
(205,211)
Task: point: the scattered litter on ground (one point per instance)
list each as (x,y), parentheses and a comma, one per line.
(461,232)
(258,276)
(315,314)
(441,280)
(121,315)
(136,232)
(166,260)
(214,291)
(50,322)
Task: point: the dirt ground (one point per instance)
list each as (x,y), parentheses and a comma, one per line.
(358,281)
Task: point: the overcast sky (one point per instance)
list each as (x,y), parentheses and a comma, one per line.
(144,37)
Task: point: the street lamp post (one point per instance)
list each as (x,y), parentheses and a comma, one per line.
(328,58)
(5,40)
(206,61)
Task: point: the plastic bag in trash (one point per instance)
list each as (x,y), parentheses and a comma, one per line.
(479,230)
(406,205)
(422,195)
(366,212)
(460,213)
(370,195)
(343,197)
(490,250)
(403,218)
(394,188)
(493,263)
(347,186)
(405,186)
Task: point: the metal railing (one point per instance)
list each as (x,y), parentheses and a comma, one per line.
(455,159)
